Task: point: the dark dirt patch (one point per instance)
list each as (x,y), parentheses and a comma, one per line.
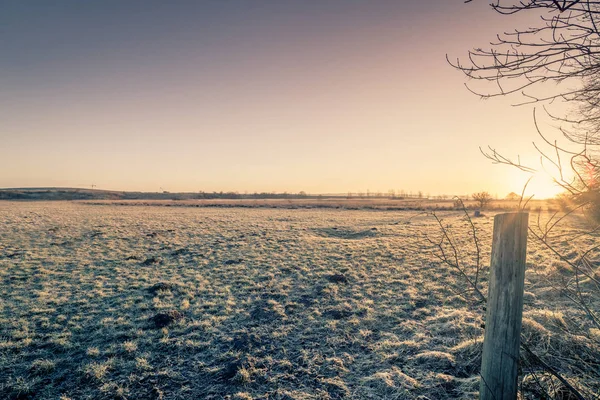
(306,300)
(19,278)
(232,262)
(346,233)
(15,254)
(265,310)
(230,370)
(179,252)
(162,320)
(420,303)
(245,341)
(292,308)
(335,313)
(274,295)
(337,278)
(162,286)
(63,243)
(150,261)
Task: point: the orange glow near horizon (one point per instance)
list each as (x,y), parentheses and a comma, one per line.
(543,186)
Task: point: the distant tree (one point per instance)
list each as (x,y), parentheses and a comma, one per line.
(512,196)
(483,198)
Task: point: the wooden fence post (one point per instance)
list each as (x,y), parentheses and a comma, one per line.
(504,308)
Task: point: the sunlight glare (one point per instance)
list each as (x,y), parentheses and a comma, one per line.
(543,186)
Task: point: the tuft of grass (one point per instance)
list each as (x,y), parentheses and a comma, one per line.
(93,351)
(436,360)
(242,396)
(42,367)
(242,376)
(130,346)
(142,364)
(97,371)
(391,383)
(468,356)
(21,388)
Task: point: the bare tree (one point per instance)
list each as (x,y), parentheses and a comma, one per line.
(482,198)
(562,50)
(564,47)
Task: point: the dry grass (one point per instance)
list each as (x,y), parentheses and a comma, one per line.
(353,203)
(277,304)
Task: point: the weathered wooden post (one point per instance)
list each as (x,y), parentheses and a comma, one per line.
(504,308)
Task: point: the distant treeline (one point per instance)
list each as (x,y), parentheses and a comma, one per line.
(90,194)
(95,194)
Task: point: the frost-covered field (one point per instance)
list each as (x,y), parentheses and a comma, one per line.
(104,302)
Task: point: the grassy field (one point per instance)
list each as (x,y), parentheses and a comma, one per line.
(118,302)
(354,203)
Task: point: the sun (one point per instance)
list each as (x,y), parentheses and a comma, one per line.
(543,186)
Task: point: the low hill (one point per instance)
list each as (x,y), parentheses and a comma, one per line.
(53,193)
(58,194)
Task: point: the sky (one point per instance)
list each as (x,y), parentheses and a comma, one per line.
(253,96)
